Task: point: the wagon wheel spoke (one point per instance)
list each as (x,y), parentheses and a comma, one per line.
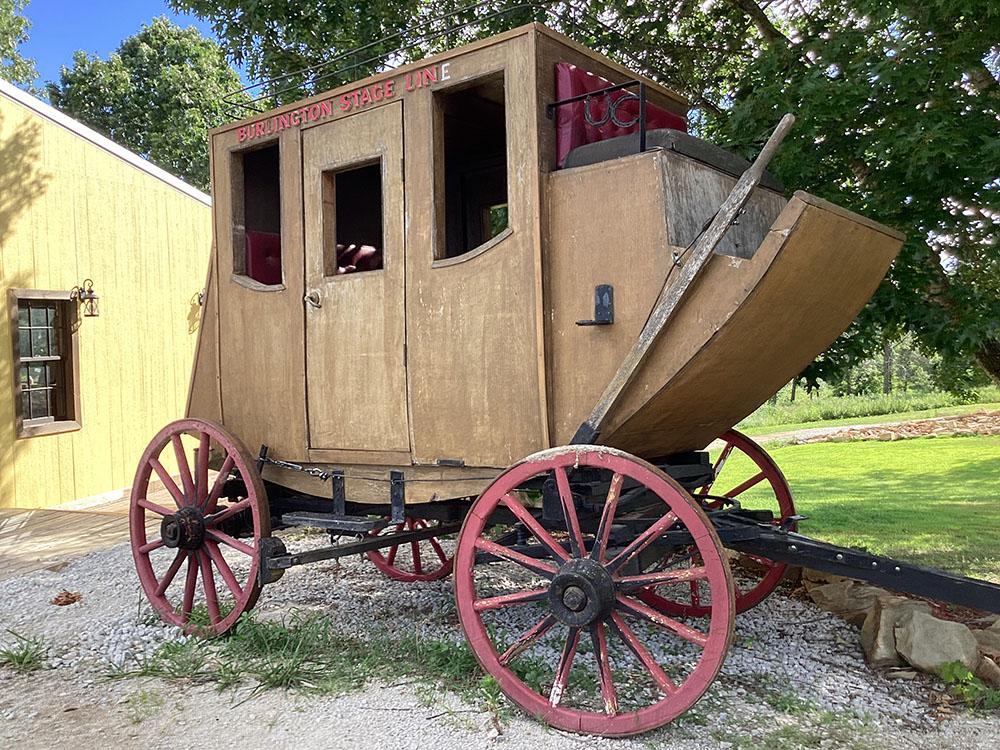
(224,570)
(624,632)
(150,546)
(185,469)
(171,573)
(150,505)
(506,600)
(695,594)
(438,549)
(220,482)
(662,577)
(208,584)
(528,638)
(643,612)
(168,482)
(744,486)
(229,541)
(607,518)
(524,516)
(565,665)
(228,512)
(539,567)
(569,512)
(201,455)
(717,467)
(189,586)
(642,541)
(598,636)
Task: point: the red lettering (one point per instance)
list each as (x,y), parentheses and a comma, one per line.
(429,75)
(295,118)
(241,134)
(409,82)
(314,113)
(366,97)
(377,92)
(389,91)
(283,121)
(258,129)
(345,103)
(325,108)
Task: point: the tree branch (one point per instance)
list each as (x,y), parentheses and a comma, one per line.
(761,21)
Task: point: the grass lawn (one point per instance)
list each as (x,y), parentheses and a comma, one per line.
(947,411)
(931,501)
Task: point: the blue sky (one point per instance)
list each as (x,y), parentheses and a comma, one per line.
(60,27)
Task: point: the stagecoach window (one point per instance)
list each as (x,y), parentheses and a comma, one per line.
(44,365)
(471,171)
(256,187)
(352,219)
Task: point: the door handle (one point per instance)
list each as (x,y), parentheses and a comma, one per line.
(312,298)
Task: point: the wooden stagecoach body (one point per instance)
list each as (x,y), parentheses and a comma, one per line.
(463,352)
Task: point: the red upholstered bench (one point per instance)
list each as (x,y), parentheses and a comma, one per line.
(264,257)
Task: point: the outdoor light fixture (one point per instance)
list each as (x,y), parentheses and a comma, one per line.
(87,297)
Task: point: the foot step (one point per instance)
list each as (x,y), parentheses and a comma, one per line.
(354,524)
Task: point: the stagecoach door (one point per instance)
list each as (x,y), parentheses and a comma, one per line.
(354,301)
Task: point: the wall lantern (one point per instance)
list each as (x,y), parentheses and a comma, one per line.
(88,298)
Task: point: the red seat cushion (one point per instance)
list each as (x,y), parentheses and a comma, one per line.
(572,128)
(264,257)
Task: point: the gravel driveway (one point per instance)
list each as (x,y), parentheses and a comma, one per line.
(794,678)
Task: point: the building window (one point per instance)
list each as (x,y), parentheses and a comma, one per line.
(45,359)
(471,165)
(256,190)
(352,220)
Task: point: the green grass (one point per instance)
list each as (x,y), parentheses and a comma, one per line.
(26,654)
(831,409)
(306,654)
(931,501)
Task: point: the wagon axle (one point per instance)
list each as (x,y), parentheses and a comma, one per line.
(184,529)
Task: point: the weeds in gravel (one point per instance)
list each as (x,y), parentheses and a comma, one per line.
(143,705)
(26,654)
(968,688)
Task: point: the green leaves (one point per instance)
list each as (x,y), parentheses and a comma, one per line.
(14,67)
(158,95)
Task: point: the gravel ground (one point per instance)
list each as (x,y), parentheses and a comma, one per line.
(794,678)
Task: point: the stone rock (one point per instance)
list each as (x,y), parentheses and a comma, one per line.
(878,633)
(988,671)
(845,598)
(989,642)
(817,576)
(996,624)
(927,643)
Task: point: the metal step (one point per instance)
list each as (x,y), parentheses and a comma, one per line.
(353,524)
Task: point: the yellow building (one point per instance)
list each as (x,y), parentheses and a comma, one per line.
(86,383)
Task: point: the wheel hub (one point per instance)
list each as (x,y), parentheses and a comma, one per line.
(184,529)
(581,592)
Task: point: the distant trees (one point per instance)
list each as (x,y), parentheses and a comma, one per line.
(158,95)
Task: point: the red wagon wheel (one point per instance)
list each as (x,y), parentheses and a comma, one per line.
(557,622)
(748,466)
(196,525)
(410,562)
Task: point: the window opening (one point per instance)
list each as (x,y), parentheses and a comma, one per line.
(473,165)
(256,182)
(352,220)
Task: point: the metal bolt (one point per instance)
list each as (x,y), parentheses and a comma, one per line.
(840,556)
(792,547)
(874,564)
(574,598)
(896,569)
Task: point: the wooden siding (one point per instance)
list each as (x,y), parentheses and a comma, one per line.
(72,209)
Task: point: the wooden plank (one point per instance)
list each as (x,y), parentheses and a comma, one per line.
(672,294)
(749,327)
(472,338)
(355,367)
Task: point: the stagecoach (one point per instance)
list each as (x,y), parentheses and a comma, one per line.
(483,316)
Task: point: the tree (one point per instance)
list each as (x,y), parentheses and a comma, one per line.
(14,67)
(158,95)
(897,106)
